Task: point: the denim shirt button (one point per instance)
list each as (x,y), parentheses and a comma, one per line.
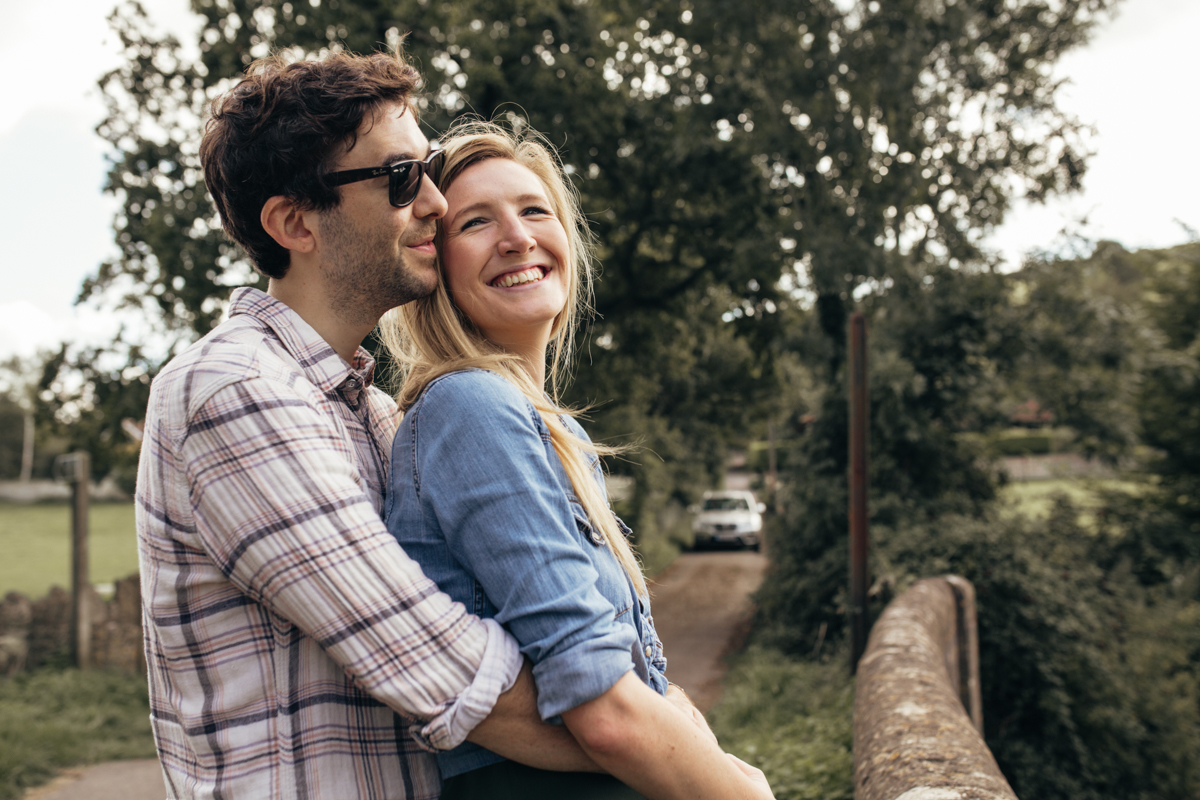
(649,651)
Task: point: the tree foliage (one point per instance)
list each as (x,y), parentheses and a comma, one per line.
(728,156)
(1089,652)
(713,144)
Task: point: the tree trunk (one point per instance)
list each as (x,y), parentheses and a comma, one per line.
(27,450)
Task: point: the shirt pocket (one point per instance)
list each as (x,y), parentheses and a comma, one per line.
(611,581)
(589,532)
(625,529)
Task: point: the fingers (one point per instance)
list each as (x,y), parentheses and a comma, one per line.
(754,773)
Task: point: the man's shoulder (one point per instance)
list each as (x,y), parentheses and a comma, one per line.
(239,349)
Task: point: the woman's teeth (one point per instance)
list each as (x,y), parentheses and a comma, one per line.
(515,278)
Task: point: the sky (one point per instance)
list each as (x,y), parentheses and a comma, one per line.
(1137,82)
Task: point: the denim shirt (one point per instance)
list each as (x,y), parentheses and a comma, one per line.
(481,501)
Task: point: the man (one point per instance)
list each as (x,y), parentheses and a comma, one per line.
(291,644)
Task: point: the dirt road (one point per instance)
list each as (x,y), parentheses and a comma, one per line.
(701,610)
(701,606)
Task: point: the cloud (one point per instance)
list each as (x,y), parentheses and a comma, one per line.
(1133,82)
(54,221)
(26,329)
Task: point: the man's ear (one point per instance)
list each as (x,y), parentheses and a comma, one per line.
(289,225)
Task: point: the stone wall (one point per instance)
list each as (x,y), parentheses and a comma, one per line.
(33,633)
(917,716)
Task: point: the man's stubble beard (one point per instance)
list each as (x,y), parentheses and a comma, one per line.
(365,275)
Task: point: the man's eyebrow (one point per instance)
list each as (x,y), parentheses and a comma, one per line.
(405,155)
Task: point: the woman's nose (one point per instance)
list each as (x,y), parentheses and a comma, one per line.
(517,239)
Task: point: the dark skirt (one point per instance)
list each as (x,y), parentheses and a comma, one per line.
(509,780)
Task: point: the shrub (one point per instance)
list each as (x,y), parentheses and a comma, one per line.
(793,720)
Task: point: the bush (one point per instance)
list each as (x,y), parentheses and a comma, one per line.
(793,720)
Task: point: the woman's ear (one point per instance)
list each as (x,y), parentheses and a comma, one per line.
(288,224)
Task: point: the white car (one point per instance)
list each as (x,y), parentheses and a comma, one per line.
(728,518)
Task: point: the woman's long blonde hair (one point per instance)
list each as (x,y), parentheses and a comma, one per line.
(430,337)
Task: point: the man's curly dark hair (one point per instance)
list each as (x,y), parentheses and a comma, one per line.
(279,129)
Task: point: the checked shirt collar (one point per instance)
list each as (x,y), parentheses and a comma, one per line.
(319,362)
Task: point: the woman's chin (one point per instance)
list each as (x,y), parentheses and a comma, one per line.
(516,310)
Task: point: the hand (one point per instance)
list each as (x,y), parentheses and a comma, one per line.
(680,700)
(755,774)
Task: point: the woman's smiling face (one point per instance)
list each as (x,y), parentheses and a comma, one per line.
(505,253)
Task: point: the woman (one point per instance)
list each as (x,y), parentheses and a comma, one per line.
(498,492)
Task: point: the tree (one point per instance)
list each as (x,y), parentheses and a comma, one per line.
(85,401)
(718,150)
(18,431)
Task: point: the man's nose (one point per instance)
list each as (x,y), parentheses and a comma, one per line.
(430,204)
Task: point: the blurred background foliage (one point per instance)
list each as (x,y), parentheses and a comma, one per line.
(742,165)
(1089,644)
(755,172)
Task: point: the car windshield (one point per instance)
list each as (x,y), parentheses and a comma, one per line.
(726,504)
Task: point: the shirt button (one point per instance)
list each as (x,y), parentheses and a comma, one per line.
(649,651)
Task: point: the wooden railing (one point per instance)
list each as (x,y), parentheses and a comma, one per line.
(918,718)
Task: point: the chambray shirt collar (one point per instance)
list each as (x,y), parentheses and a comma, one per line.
(321,364)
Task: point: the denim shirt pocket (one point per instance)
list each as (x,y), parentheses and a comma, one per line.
(612,579)
(588,531)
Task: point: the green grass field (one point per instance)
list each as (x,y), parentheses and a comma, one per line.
(35,541)
(1035,499)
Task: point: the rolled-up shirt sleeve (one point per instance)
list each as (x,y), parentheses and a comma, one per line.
(279,510)
(482,470)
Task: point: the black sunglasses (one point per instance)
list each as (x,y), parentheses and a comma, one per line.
(404,177)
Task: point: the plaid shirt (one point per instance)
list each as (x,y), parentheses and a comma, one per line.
(292,645)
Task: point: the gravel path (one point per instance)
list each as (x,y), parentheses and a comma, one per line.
(115,780)
(701,610)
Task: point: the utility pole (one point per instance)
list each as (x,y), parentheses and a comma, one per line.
(772,473)
(859,422)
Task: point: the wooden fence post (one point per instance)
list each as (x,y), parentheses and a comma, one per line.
(75,468)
